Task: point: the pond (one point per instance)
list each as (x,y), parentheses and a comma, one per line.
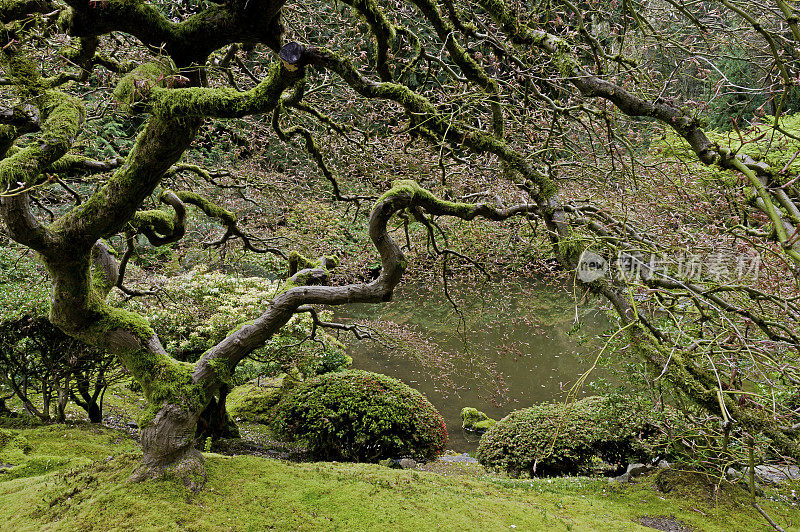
(508,346)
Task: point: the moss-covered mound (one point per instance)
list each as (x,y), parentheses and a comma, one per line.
(554,438)
(700,485)
(362,417)
(255,402)
(16,460)
(13,447)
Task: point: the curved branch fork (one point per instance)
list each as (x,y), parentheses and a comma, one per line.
(403,195)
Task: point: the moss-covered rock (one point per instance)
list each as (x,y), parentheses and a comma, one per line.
(360,416)
(554,438)
(474,420)
(255,402)
(701,486)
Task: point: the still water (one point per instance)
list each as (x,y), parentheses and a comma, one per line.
(511,345)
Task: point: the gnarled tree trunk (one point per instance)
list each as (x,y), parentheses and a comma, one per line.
(168,446)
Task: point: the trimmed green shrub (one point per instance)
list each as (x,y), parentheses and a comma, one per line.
(558,439)
(358,416)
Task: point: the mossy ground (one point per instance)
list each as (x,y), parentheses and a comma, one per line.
(89,490)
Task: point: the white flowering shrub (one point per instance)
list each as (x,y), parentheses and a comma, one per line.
(200,308)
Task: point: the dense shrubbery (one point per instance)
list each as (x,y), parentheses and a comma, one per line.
(24,288)
(40,365)
(360,416)
(729,102)
(554,438)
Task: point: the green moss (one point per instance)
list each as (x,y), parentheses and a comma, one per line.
(34,467)
(420,195)
(382,30)
(221,102)
(485,424)
(92,492)
(256,402)
(424,198)
(297,261)
(163,378)
(14,447)
(112,319)
(25,73)
(306,277)
(63,116)
(223,369)
(137,85)
(571,248)
(207,206)
(171,382)
(155,220)
(700,486)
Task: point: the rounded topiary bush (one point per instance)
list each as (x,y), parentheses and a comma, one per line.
(579,438)
(360,416)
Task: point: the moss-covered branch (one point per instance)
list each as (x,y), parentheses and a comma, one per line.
(208,207)
(471,69)
(61,117)
(685,125)
(108,210)
(223,102)
(423,112)
(161,227)
(73,162)
(589,84)
(188,42)
(297,293)
(227,218)
(382,29)
(703,388)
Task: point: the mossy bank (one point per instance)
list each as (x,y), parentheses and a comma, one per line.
(89,490)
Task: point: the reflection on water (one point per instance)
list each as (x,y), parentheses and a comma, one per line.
(512,345)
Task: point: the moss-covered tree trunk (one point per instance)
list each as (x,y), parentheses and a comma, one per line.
(168,446)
